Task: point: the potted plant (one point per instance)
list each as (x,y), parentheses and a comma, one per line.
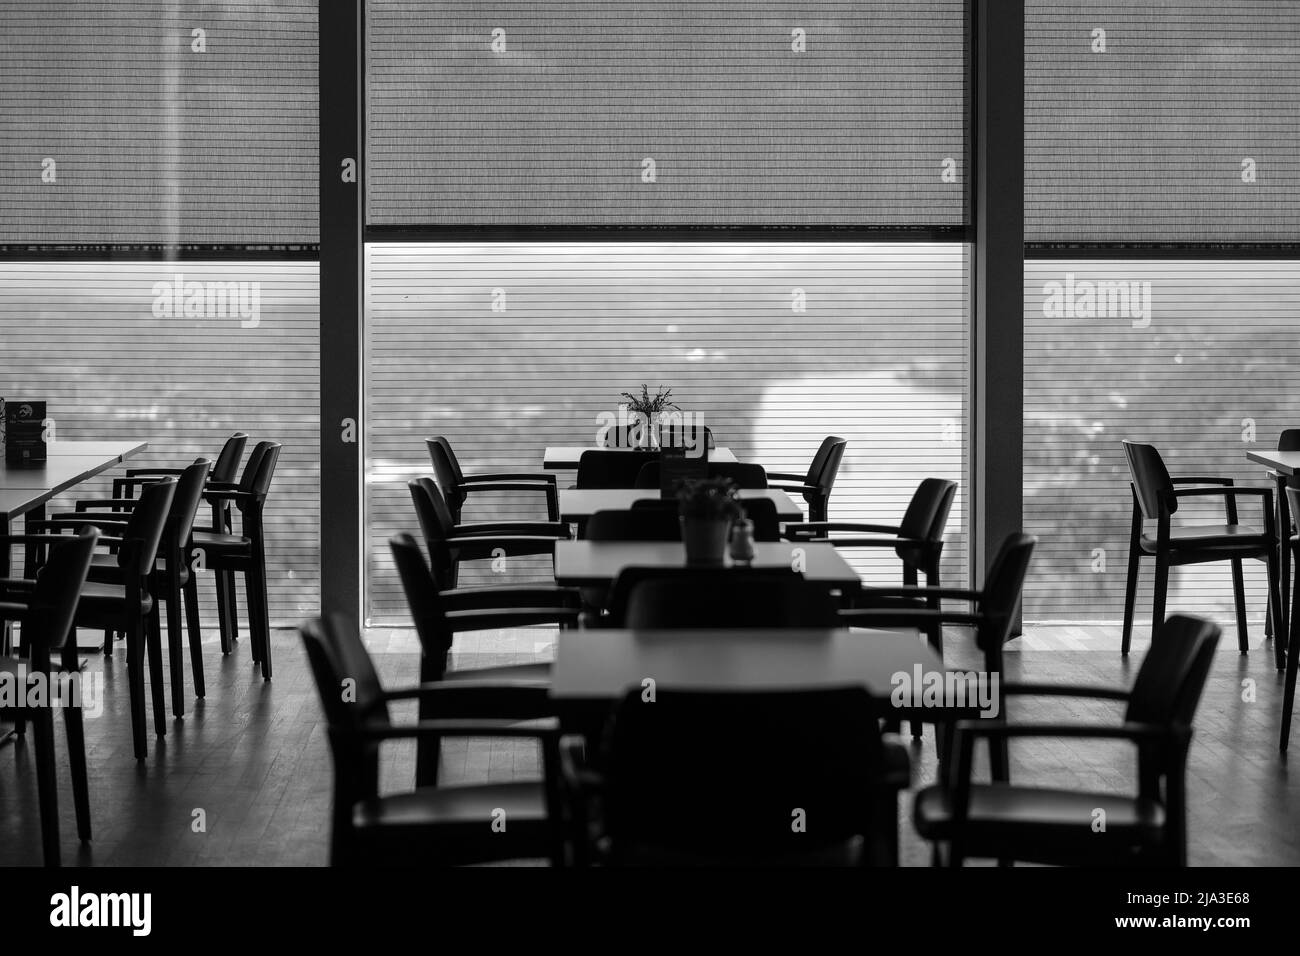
(707,508)
(645,410)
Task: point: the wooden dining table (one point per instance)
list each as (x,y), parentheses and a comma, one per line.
(566,457)
(596,667)
(578,504)
(1283,465)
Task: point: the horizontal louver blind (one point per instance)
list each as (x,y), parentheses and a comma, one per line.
(120,124)
(1162,121)
(878,357)
(1202,364)
(104,346)
(735,112)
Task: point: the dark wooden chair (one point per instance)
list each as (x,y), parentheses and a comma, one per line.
(45,613)
(1055,826)
(440,614)
(761,511)
(175,580)
(429,826)
(796,777)
(817,484)
(717,597)
(228,553)
(917,539)
(1156,497)
(122,600)
(993,613)
(598,468)
(450,543)
(742,475)
(223,472)
(637,524)
(457,486)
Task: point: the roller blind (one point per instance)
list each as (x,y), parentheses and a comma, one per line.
(105,347)
(1201,363)
(507,348)
(1162,121)
(158,122)
(561,112)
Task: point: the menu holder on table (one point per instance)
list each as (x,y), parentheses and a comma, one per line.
(24,435)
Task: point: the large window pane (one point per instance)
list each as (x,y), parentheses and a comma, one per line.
(1197,357)
(552,112)
(510,347)
(106,347)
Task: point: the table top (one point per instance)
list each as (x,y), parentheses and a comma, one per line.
(604,663)
(561,457)
(1283,462)
(583,563)
(24,488)
(577,503)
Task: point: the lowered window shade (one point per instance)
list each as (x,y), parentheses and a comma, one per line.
(578,112)
(507,348)
(1201,363)
(104,345)
(1162,122)
(119,123)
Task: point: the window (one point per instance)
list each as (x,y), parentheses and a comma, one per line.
(506,348)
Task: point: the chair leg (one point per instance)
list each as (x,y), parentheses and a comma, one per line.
(153,637)
(1162,589)
(1292,659)
(108,643)
(76,734)
(47,782)
(1239,598)
(227,613)
(1130,590)
(195,629)
(259,614)
(175,659)
(135,679)
(1275,601)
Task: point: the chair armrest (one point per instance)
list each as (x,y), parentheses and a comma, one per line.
(161,472)
(920,591)
(507,700)
(507,486)
(1220,492)
(11,610)
(1135,732)
(905,617)
(510,597)
(852,542)
(490,619)
(538,730)
(1066,690)
(513,544)
(218,495)
(801,488)
(509,476)
(558,529)
(786,476)
(100,519)
(74,523)
(82,504)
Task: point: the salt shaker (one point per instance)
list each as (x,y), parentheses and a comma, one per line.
(742,540)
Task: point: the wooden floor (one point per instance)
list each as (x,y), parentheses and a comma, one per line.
(253,756)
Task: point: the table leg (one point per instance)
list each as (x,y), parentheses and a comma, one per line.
(1281,629)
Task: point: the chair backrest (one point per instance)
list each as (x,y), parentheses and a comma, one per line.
(54,600)
(718,597)
(436,523)
(185,504)
(717,777)
(742,474)
(336,654)
(258,483)
(1173,673)
(1003,584)
(1151,479)
(447,473)
(144,529)
(227,464)
(421,589)
(926,515)
(599,468)
(828,456)
(638,524)
(1293,502)
(762,511)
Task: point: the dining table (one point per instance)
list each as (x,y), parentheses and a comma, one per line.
(587,563)
(1282,465)
(596,667)
(566,457)
(578,504)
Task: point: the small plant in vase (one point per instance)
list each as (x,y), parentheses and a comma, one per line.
(707,508)
(644,411)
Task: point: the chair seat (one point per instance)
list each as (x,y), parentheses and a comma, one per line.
(214,543)
(1004,818)
(540,673)
(1209,537)
(458,820)
(98,596)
